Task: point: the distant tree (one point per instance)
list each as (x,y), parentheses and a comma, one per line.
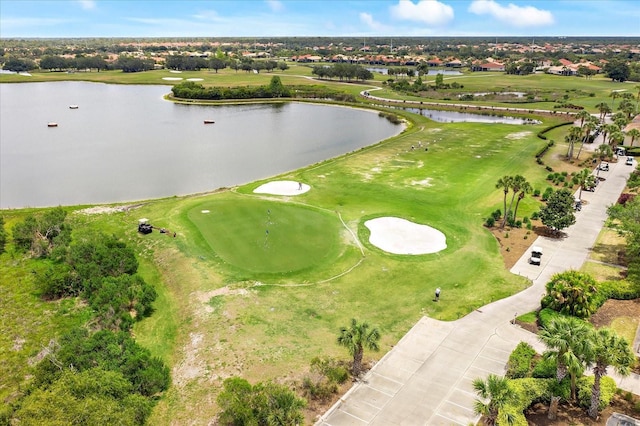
(558,213)
(19,65)
(439,80)
(571,293)
(282,66)
(217,64)
(617,70)
(356,338)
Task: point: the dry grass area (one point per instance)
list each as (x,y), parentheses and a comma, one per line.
(514,242)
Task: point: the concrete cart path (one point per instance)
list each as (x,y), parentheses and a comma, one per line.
(426,379)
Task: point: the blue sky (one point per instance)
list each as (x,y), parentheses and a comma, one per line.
(271,18)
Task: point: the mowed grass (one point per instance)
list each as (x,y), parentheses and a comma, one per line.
(265,237)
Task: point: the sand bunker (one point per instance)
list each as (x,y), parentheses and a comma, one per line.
(400,236)
(282,187)
(172,78)
(195,79)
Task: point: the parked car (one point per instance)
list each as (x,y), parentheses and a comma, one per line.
(604,167)
(536,255)
(629,161)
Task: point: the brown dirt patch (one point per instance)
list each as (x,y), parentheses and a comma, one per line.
(613,309)
(574,415)
(514,242)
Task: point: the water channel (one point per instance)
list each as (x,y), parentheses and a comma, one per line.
(126,143)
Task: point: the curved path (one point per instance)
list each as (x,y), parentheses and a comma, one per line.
(426,379)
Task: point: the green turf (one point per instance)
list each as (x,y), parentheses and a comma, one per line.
(268,237)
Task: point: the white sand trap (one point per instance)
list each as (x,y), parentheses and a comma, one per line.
(175,71)
(26,74)
(172,78)
(282,187)
(195,79)
(400,236)
(204,211)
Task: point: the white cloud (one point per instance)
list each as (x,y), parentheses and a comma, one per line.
(518,16)
(87,4)
(275,5)
(430,12)
(367,18)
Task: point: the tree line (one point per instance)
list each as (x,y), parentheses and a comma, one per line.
(274,90)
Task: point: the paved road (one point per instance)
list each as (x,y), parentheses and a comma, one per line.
(426,379)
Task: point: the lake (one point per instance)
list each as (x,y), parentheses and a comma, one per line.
(126,143)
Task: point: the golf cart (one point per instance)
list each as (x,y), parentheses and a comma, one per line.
(536,255)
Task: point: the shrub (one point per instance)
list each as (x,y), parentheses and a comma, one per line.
(496,214)
(571,293)
(545,368)
(545,315)
(520,361)
(535,215)
(607,391)
(489,222)
(619,290)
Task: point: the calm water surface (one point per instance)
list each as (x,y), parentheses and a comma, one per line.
(126,143)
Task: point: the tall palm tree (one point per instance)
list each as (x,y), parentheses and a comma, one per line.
(582,115)
(525,188)
(497,391)
(504,183)
(633,134)
(604,109)
(589,126)
(609,349)
(355,338)
(614,94)
(574,135)
(567,340)
(516,183)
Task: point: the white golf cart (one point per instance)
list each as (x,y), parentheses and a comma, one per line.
(536,255)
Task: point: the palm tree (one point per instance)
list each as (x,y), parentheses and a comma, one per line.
(609,349)
(603,151)
(614,94)
(516,183)
(585,180)
(615,139)
(582,116)
(497,391)
(604,109)
(567,339)
(357,337)
(589,126)
(575,133)
(634,134)
(525,188)
(504,183)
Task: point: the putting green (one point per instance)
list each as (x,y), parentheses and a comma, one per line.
(268,237)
